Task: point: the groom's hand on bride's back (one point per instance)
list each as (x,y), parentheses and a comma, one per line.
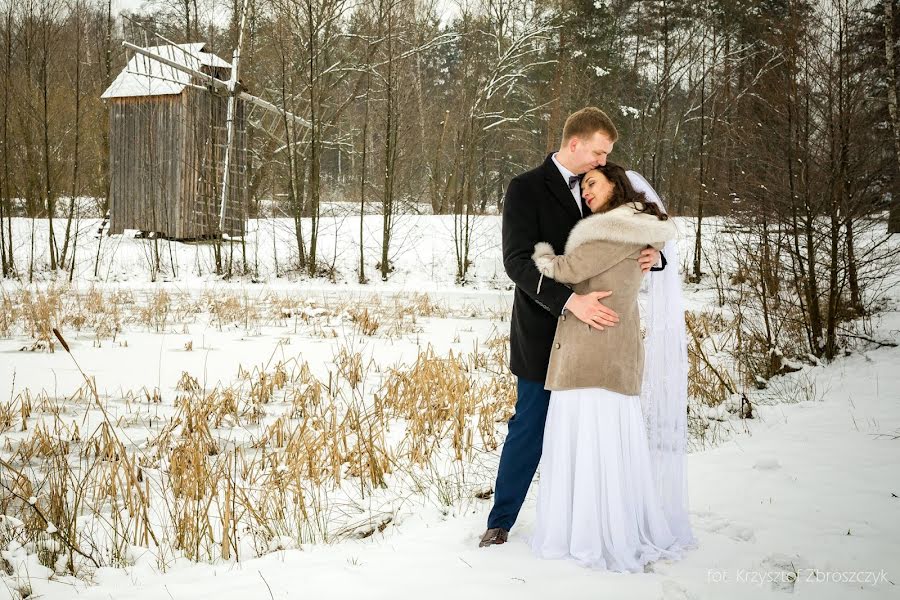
(649,258)
(589,309)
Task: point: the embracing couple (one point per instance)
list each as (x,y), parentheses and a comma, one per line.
(579,234)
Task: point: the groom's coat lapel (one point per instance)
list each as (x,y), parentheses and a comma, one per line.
(554,180)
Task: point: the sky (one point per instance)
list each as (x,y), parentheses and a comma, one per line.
(447,7)
(127,5)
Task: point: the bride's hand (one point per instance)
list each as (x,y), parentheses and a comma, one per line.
(587,308)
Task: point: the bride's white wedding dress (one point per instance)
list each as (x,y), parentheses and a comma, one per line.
(612,492)
(597,501)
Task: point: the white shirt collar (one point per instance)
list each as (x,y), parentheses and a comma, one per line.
(564,171)
(574,189)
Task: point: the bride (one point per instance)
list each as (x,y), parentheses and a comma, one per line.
(613,491)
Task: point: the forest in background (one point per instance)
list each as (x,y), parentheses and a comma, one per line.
(780,115)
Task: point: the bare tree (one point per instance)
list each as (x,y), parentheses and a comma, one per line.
(387,10)
(49,33)
(370,46)
(514,39)
(890,40)
(73,193)
(6,239)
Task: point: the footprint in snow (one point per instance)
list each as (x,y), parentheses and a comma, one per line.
(672,590)
(783,571)
(735,531)
(767,464)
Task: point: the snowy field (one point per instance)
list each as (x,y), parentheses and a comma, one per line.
(394,395)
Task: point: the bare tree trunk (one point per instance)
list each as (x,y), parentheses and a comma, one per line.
(437,187)
(314,182)
(801,281)
(701,189)
(390,146)
(557,119)
(362,176)
(74,192)
(187,20)
(765,278)
(74,248)
(889,41)
(833,289)
(420,102)
(810,247)
(662,114)
(3,263)
(462,210)
(8,262)
(49,193)
(852,271)
(196,29)
(294,197)
(107,79)
(31,255)
(839,156)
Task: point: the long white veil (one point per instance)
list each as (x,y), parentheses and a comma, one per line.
(664,387)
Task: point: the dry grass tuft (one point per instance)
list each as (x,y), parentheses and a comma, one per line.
(280,456)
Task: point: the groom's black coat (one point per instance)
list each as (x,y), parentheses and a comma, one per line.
(538,207)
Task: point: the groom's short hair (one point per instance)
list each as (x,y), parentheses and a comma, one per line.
(588,121)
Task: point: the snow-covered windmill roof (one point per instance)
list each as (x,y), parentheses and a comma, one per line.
(143,76)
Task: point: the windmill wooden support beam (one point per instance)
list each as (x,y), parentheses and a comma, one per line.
(233,90)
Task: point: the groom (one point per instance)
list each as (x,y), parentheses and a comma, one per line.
(543,205)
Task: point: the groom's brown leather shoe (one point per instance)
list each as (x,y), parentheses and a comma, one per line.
(494,536)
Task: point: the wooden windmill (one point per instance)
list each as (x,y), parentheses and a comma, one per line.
(178,143)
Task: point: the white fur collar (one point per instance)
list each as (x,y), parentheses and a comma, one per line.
(621,224)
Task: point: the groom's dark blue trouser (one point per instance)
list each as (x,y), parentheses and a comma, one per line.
(521,453)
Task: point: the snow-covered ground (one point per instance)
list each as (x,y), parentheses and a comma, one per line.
(423,255)
(802,499)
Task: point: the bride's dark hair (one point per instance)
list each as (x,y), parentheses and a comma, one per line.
(624,192)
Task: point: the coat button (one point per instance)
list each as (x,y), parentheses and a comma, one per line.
(557,346)
(564,317)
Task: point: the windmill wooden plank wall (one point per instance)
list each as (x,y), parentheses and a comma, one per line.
(166,154)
